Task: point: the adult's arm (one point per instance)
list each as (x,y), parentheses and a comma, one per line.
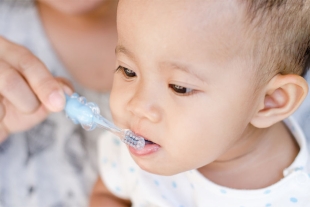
(102,197)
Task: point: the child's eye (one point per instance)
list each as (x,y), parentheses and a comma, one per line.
(181,90)
(126,72)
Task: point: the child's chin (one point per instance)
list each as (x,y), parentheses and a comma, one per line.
(155,168)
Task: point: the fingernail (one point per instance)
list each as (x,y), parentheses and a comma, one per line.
(57,100)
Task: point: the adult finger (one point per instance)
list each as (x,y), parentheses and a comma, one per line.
(41,81)
(16,90)
(2,109)
(3,131)
(66,85)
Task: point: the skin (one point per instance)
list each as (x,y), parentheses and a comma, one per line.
(91,21)
(28,92)
(73,7)
(186,82)
(200,60)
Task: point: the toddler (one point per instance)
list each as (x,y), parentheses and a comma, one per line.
(211,86)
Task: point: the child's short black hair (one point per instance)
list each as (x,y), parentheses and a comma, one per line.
(281,29)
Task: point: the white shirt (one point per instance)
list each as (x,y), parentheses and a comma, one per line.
(125,179)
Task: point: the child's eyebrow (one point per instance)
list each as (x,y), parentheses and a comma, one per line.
(183,68)
(122,49)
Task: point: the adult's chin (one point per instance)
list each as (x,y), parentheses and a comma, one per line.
(74,7)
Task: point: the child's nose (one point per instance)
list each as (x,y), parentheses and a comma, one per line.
(144,104)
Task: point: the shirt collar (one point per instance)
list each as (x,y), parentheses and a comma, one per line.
(301,159)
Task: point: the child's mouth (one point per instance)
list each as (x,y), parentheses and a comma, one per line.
(149,148)
(148,142)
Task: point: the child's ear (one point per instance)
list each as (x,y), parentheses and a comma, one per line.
(282,96)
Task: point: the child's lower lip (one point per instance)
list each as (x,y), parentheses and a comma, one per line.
(148,149)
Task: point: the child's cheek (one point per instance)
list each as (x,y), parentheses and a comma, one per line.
(114,104)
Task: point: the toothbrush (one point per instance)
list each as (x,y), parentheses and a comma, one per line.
(88,115)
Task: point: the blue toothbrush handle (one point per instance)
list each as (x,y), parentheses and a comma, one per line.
(88,115)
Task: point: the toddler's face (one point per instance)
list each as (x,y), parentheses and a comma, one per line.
(184,81)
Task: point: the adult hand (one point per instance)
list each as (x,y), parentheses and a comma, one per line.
(28,91)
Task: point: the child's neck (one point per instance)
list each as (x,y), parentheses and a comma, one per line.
(256,161)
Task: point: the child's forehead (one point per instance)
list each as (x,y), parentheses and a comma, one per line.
(186,11)
(216,25)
